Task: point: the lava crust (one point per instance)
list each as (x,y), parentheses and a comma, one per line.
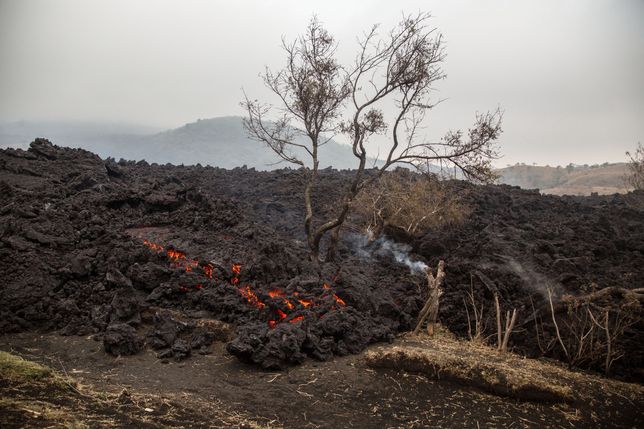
(143,255)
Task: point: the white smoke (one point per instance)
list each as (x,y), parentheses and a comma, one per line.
(531,279)
(386,247)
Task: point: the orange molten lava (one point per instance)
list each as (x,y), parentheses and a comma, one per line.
(251,297)
(336,297)
(156,247)
(208,270)
(296,319)
(180,259)
(278,293)
(236,269)
(339,300)
(275,292)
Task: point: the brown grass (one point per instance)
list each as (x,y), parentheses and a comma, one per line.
(505,374)
(33,395)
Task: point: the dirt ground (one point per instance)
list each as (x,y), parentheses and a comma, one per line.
(342,392)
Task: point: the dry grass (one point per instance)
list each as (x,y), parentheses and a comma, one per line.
(505,374)
(18,370)
(408,201)
(34,395)
(605,179)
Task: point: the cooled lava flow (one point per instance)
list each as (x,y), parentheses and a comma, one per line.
(179,259)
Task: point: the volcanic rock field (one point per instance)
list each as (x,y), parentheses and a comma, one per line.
(172,258)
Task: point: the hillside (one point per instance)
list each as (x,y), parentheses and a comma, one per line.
(222,142)
(219,142)
(570,180)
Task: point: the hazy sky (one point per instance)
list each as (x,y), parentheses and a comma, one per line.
(569,74)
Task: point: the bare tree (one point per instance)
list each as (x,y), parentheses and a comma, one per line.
(315,92)
(635,176)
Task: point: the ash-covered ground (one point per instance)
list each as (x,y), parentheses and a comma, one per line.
(157,256)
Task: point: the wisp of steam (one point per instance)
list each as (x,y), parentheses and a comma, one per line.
(386,247)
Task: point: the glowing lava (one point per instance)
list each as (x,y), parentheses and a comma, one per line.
(336,297)
(251,297)
(180,260)
(296,319)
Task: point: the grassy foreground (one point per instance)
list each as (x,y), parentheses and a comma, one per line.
(36,396)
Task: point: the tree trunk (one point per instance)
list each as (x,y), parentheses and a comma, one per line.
(333,244)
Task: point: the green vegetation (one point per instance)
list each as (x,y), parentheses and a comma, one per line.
(19,370)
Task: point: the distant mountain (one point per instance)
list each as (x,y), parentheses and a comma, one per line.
(220,142)
(21,133)
(570,180)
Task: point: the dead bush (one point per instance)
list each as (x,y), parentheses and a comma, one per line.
(410,201)
(635,175)
(590,329)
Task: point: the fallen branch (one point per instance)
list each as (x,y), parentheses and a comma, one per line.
(554,320)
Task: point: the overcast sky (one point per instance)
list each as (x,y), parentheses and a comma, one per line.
(569,74)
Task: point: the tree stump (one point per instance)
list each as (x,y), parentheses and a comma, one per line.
(430,309)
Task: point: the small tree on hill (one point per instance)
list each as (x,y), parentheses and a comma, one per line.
(635,176)
(315,93)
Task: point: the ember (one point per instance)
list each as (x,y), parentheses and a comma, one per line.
(336,297)
(296,319)
(278,293)
(251,297)
(208,270)
(180,260)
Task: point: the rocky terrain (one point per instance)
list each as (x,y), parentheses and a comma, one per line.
(172,258)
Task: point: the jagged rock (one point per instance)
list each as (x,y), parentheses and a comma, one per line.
(43,147)
(122,339)
(80,264)
(116,278)
(125,307)
(113,169)
(166,330)
(148,276)
(41,238)
(181,349)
